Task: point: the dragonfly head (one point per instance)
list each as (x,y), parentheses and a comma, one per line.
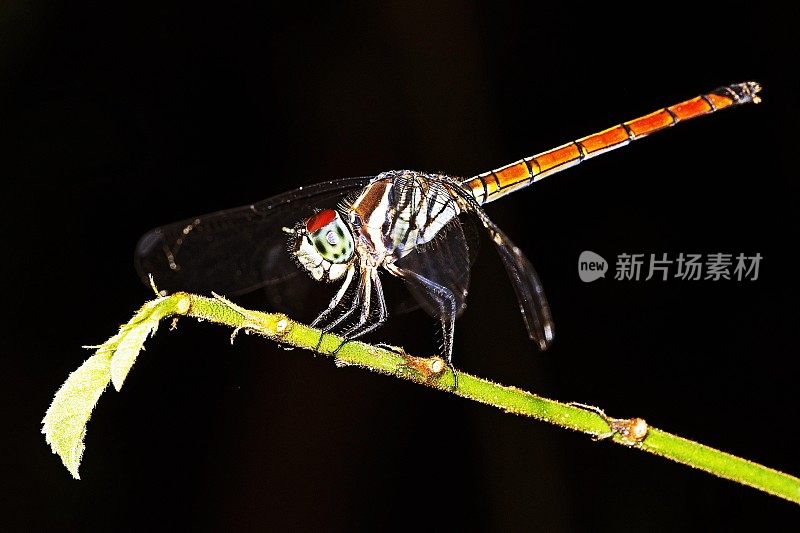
(323,244)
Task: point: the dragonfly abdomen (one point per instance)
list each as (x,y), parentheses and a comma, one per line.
(495,184)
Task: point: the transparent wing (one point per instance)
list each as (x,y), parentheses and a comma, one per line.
(530,294)
(404,300)
(446,261)
(237,250)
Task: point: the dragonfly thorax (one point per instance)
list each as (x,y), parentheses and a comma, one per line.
(324,245)
(401,210)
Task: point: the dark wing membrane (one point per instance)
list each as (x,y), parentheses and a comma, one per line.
(409,301)
(530,294)
(445,261)
(238,250)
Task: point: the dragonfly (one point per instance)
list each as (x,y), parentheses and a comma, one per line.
(406,223)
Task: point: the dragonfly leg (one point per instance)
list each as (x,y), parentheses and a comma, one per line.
(357,297)
(337,298)
(358,300)
(363,298)
(445,303)
(367,322)
(319,322)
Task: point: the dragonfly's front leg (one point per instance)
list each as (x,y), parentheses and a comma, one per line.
(370,283)
(365,297)
(358,297)
(367,322)
(336,300)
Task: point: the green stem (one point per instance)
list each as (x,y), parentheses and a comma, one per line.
(119,352)
(510,399)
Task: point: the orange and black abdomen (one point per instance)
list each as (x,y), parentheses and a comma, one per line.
(495,184)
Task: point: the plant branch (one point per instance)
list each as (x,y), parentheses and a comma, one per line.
(65,421)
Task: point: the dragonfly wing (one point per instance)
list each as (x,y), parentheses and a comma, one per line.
(237,250)
(530,294)
(407,302)
(446,262)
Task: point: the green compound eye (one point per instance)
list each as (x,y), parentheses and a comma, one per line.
(330,236)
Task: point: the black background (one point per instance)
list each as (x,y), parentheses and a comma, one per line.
(117,120)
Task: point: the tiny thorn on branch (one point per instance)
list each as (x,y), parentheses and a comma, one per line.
(632,430)
(430,369)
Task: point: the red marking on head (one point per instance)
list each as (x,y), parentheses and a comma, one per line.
(320,220)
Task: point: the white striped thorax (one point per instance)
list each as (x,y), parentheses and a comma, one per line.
(400,210)
(324,245)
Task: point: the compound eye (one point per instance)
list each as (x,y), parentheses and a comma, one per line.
(332,238)
(320,220)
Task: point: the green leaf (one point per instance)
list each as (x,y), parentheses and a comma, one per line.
(129,347)
(64,425)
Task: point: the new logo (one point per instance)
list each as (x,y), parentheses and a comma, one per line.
(591,266)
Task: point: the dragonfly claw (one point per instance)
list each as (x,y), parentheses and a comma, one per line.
(341,345)
(455,377)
